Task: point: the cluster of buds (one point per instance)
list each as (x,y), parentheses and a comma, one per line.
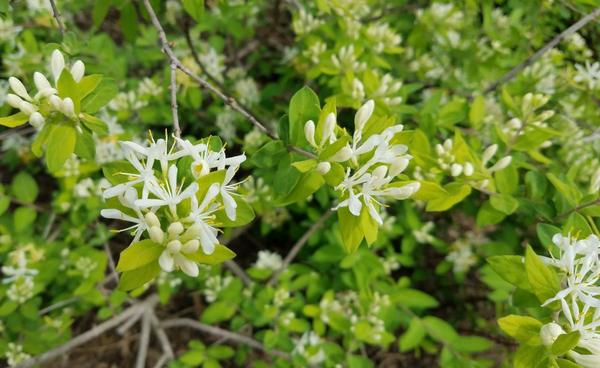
(371,164)
(382,36)
(346,61)
(46,100)
(387,91)
(181,218)
(447,161)
(529,117)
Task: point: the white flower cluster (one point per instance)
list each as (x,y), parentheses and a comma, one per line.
(14,354)
(20,278)
(382,37)
(46,99)
(214,285)
(155,189)
(373,163)
(305,22)
(346,60)
(517,126)
(268,260)
(588,74)
(310,348)
(579,264)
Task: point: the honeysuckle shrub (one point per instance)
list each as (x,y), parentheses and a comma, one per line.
(390,198)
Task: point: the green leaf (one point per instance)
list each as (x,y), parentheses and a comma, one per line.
(440,330)
(138,277)
(218,312)
(104,92)
(24,187)
(352,233)
(504,203)
(309,183)
(456,193)
(522,328)
(511,269)
(14,120)
(269,155)
(195,8)
(88,84)
(543,280)
(139,254)
(60,146)
(413,298)
(23,218)
(507,179)
(563,363)
(569,191)
(99,11)
(477,111)
(488,215)
(220,255)
(220,352)
(531,357)
(413,336)
(67,87)
(244,214)
(128,21)
(545,232)
(85,146)
(565,342)
(304,106)
(471,344)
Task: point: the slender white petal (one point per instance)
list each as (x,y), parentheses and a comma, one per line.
(57,64)
(166,261)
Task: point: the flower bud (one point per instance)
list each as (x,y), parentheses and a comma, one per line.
(41,83)
(14,100)
(77,70)
(489,153)
(68,108)
(404,191)
(550,332)
(156,234)
(174,246)
(328,128)
(192,232)
(152,219)
(323,167)
(448,145)
(55,102)
(191,246)
(468,169)
(27,108)
(18,88)
(342,155)
(57,64)
(309,132)
(398,166)
(363,115)
(36,119)
(502,164)
(456,169)
(379,172)
(439,149)
(175,228)
(546,115)
(515,123)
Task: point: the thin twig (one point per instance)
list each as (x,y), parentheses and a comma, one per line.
(140,361)
(538,54)
(231,264)
(111,261)
(162,337)
(299,244)
(91,334)
(196,57)
(162,361)
(229,100)
(58,305)
(56,15)
(49,224)
(216,331)
(578,208)
(173,88)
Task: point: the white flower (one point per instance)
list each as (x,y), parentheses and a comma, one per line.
(550,332)
(268,260)
(57,64)
(77,70)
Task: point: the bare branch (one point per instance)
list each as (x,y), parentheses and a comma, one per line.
(162,337)
(91,334)
(231,264)
(299,244)
(229,100)
(173,88)
(538,54)
(56,15)
(228,335)
(142,354)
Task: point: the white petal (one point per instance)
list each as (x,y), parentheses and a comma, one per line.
(309,132)
(166,261)
(18,88)
(77,70)
(68,108)
(230,205)
(328,127)
(189,267)
(13,100)
(41,83)
(354,204)
(114,191)
(363,115)
(57,64)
